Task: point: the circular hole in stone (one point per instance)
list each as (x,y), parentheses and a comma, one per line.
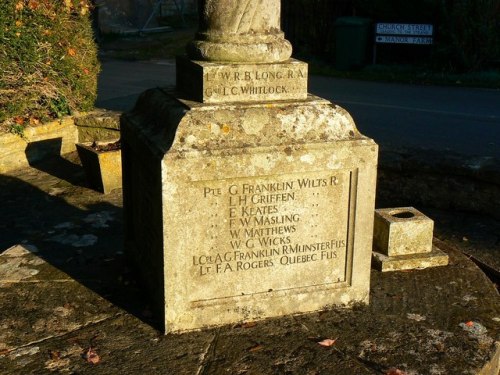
(403,214)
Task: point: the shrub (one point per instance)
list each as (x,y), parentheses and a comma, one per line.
(48,61)
(470,34)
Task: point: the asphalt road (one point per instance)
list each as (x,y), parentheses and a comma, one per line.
(461,120)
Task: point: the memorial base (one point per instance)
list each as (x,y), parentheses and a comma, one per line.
(211,82)
(386,263)
(237,213)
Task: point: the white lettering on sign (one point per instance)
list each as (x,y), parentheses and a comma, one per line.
(403,39)
(404,29)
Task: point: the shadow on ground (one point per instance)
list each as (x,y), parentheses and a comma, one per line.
(75,229)
(46,156)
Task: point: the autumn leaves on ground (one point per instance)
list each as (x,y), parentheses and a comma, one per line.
(48,61)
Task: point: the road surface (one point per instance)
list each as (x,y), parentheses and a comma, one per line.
(461,120)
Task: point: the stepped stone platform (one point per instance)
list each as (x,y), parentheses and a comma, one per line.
(68,303)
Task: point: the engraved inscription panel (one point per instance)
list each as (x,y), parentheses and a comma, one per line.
(269,81)
(210,82)
(270,233)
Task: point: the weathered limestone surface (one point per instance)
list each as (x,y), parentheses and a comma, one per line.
(101,125)
(244,197)
(402,231)
(54,138)
(240,31)
(403,240)
(261,206)
(210,82)
(102,168)
(433,258)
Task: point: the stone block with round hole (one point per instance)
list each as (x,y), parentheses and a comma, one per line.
(402,231)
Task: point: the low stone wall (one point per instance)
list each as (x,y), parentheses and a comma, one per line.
(100,125)
(54,138)
(57,138)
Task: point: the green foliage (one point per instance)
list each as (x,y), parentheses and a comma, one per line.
(17,129)
(309,24)
(410,11)
(469,38)
(48,61)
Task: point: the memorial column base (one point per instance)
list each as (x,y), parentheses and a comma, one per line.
(244,212)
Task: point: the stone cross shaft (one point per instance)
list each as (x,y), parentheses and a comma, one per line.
(240,31)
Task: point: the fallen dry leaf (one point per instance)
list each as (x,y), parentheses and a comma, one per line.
(33,4)
(248,325)
(439,347)
(91,356)
(34,121)
(57,364)
(327,342)
(321,314)
(54,355)
(395,371)
(256,348)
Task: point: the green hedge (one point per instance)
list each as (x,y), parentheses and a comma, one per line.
(48,61)
(469,38)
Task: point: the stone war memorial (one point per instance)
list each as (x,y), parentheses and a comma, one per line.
(245,197)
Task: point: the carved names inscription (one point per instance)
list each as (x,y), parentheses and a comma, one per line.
(210,82)
(232,83)
(271,233)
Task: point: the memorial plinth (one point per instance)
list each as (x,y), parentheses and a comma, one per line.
(242,212)
(210,82)
(244,197)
